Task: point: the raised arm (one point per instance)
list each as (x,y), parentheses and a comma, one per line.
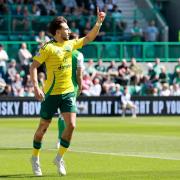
(95,30)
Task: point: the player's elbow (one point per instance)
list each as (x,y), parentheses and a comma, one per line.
(87,39)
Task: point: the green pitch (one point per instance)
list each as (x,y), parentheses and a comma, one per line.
(102,149)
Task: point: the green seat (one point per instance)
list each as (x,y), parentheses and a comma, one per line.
(3,38)
(110,51)
(13,51)
(14,38)
(89,51)
(26,38)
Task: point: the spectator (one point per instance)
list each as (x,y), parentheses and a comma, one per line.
(27,82)
(117,91)
(50,7)
(86,83)
(163,76)
(152,74)
(123,65)
(100,4)
(175,90)
(90,69)
(116,14)
(109,5)
(108,86)
(2,84)
(123,74)
(152,32)
(136,33)
(25,57)
(155,92)
(157,67)
(3,11)
(17,86)
(135,71)
(12,71)
(3,60)
(100,67)
(41,79)
(42,38)
(21,18)
(29,92)
(35,11)
(112,69)
(69,3)
(177,72)
(3,7)
(7,91)
(127,103)
(95,88)
(146,86)
(165,91)
(74,27)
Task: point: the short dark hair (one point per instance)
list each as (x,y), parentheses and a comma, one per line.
(56,24)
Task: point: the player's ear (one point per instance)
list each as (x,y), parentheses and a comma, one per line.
(58,31)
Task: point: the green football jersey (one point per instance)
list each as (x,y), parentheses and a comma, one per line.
(77,62)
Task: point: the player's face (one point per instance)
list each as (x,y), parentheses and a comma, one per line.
(65,31)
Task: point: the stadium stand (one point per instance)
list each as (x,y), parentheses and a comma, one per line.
(144,74)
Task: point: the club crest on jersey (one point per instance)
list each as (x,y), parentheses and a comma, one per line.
(67,48)
(58,51)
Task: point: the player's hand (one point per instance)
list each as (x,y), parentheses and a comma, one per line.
(39,94)
(100,16)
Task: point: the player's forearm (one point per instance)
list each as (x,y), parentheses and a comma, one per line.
(92,34)
(33,74)
(79,79)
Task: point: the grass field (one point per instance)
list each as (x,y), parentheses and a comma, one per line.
(105,148)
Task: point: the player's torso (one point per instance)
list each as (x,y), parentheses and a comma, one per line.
(59,68)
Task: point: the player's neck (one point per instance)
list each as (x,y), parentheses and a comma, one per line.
(58,39)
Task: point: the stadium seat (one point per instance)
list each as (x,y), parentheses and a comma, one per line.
(110,51)
(13,50)
(26,38)
(89,51)
(3,37)
(14,38)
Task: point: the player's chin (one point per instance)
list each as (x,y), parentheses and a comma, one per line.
(66,38)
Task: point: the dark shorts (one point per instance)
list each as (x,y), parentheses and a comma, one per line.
(65,102)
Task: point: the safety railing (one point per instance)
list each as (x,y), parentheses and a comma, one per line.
(143,51)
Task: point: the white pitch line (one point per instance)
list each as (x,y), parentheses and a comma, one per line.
(108,153)
(129,155)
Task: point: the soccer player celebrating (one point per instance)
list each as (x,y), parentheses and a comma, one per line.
(58,91)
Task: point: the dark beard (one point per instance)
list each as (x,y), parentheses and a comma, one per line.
(65,38)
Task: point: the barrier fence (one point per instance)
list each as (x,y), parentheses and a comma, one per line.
(143,51)
(93,106)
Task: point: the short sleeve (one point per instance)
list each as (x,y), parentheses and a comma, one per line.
(80,60)
(42,55)
(78,43)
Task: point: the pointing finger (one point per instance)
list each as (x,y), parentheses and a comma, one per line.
(97,10)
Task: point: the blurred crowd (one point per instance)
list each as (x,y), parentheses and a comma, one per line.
(107,79)
(81,16)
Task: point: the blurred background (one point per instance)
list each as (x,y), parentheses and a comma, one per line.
(138,45)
